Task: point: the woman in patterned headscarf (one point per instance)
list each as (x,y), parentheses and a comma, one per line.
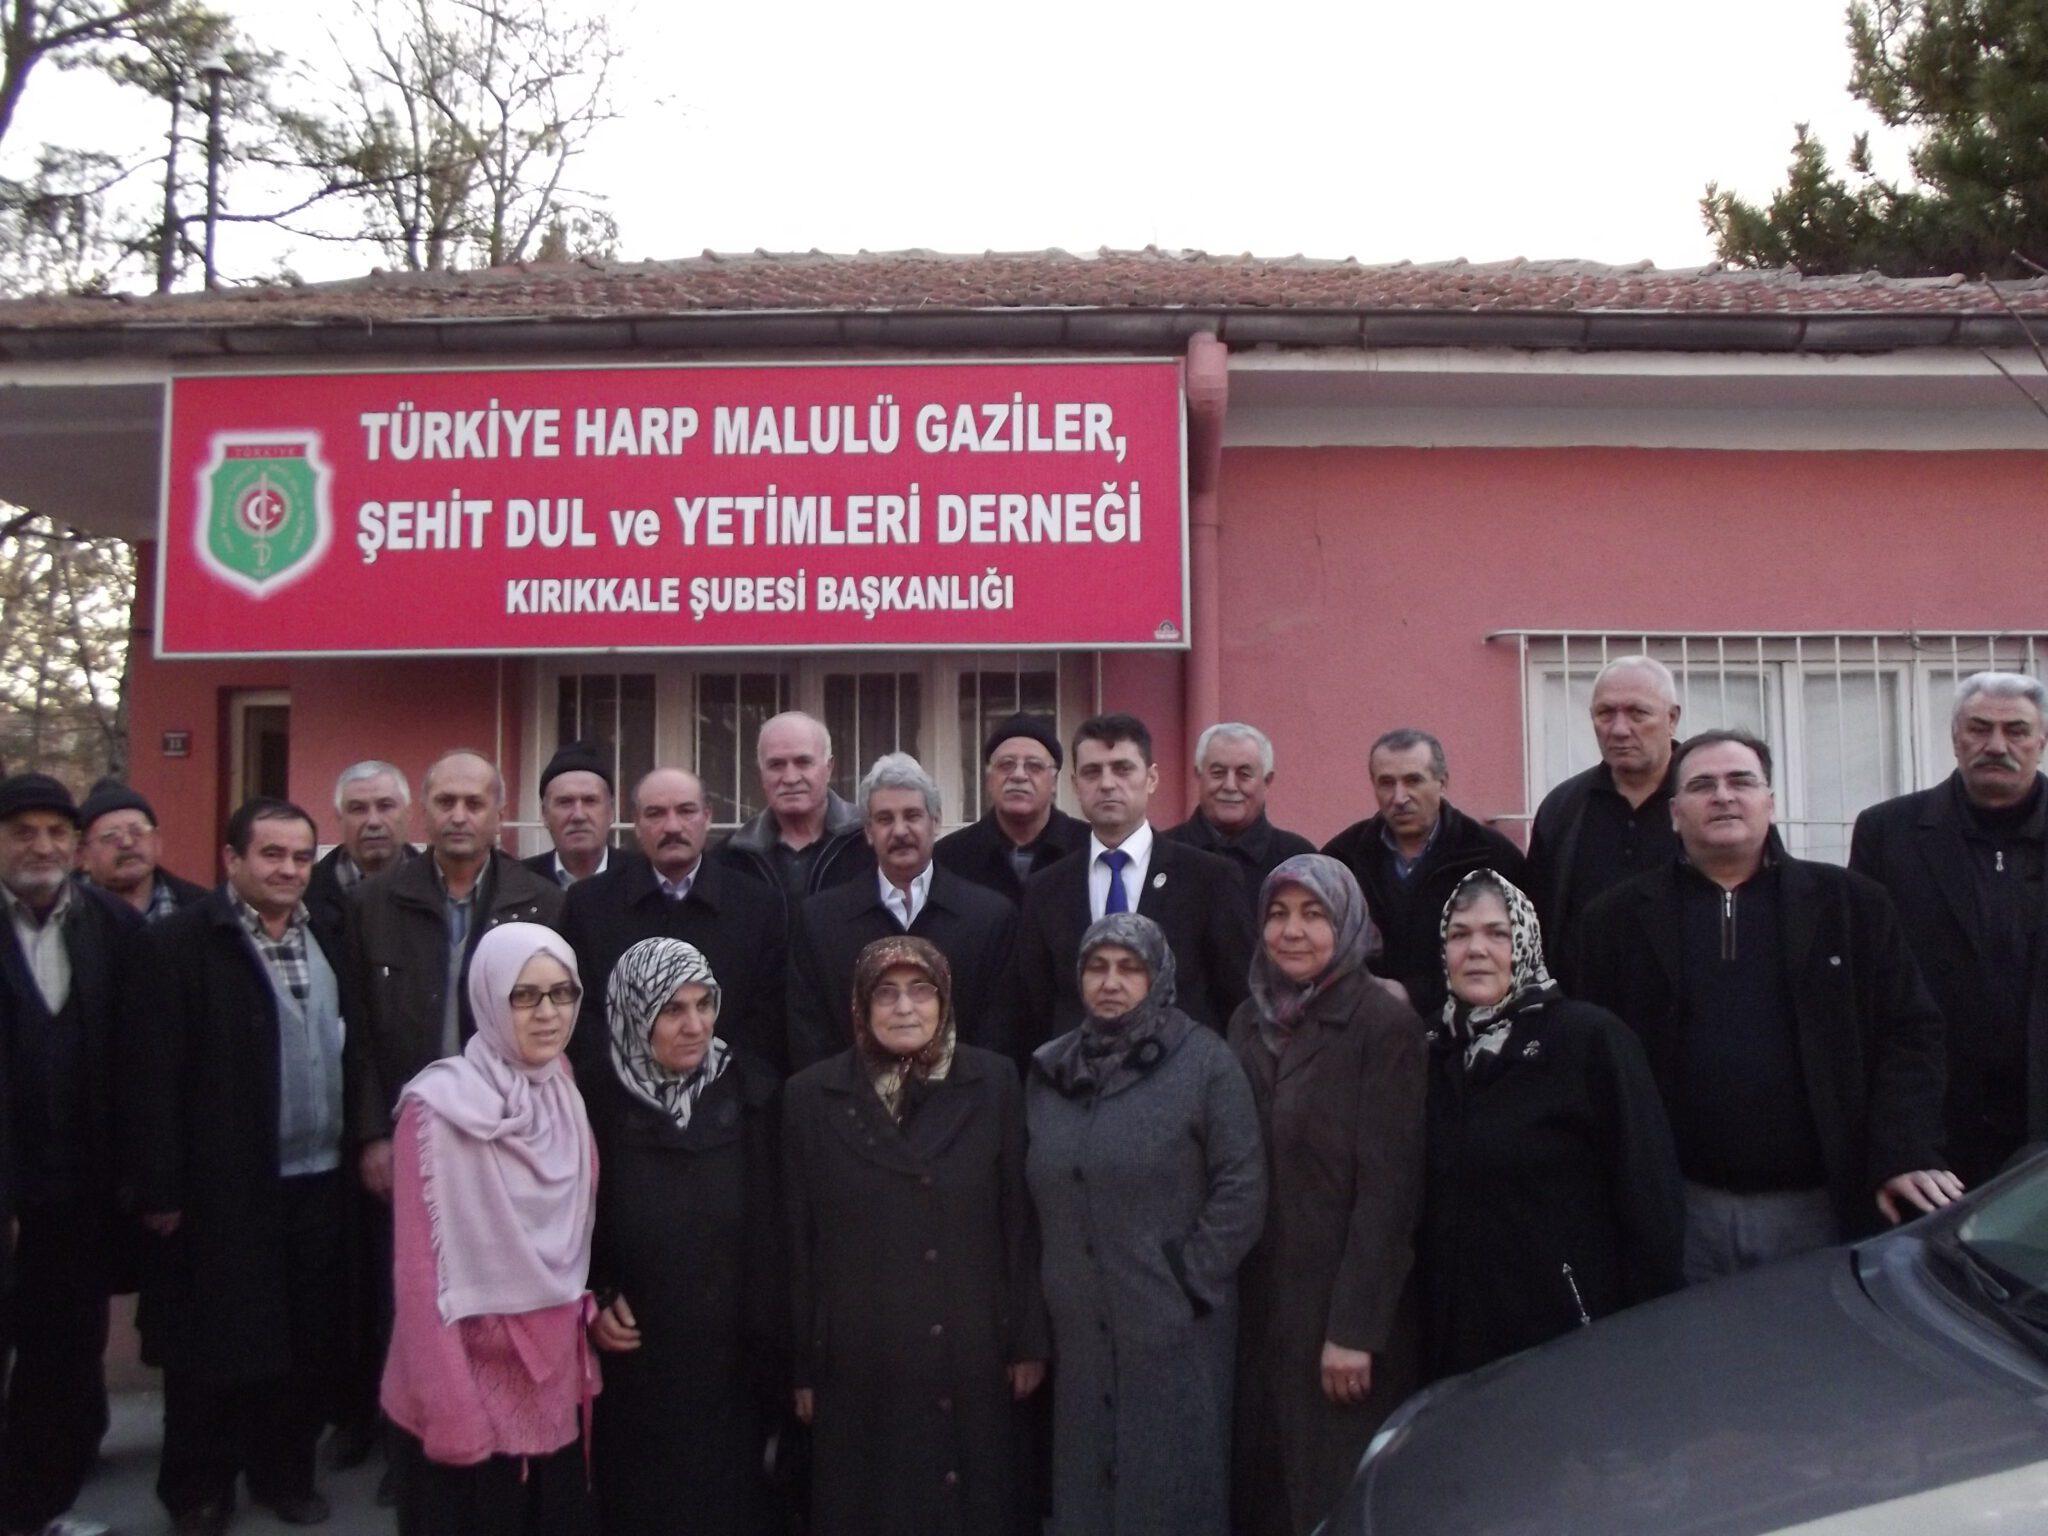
(1336,1063)
(1554,1195)
(686,1266)
(914,1254)
(1146,1167)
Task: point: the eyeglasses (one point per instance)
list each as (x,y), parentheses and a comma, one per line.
(564,994)
(1035,767)
(1742,783)
(119,837)
(888,994)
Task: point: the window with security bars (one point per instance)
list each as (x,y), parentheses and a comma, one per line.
(731,708)
(989,695)
(869,713)
(1851,719)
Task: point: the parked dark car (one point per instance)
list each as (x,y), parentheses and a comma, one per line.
(1900,1385)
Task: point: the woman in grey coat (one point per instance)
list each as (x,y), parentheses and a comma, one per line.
(1151,1188)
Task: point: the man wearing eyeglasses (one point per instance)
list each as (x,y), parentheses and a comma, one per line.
(118,850)
(1796,1048)
(1022,831)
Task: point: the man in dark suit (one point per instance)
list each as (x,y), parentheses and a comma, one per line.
(118,850)
(1195,897)
(1233,775)
(972,928)
(1797,1051)
(1411,856)
(1965,862)
(576,803)
(670,890)
(373,803)
(1022,831)
(64,949)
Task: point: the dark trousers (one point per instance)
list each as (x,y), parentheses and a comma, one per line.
(53,1331)
(502,1496)
(215,1430)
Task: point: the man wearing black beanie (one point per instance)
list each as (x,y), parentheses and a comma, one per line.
(1021,831)
(118,850)
(576,802)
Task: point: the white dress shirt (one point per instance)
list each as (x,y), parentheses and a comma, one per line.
(564,879)
(1139,846)
(904,905)
(676,890)
(42,945)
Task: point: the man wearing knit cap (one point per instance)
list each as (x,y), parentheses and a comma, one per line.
(118,849)
(61,960)
(1021,831)
(576,802)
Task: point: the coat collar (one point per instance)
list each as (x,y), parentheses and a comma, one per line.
(1254,843)
(855,1113)
(758,835)
(639,883)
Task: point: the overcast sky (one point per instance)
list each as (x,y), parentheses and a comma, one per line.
(1483,129)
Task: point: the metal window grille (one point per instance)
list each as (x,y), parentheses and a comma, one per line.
(615,711)
(731,708)
(991,692)
(1852,717)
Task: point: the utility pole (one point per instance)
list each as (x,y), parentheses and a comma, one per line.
(215,68)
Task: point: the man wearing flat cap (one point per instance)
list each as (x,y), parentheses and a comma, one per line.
(576,802)
(1022,831)
(118,849)
(62,958)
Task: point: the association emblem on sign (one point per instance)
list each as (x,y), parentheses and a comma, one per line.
(264,519)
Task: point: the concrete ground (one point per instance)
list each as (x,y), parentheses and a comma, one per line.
(123,1491)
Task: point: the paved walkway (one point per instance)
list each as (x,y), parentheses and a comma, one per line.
(123,1491)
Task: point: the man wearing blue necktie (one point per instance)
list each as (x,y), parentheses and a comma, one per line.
(1195,896)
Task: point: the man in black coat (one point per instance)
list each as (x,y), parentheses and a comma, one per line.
(1964,862)
(808,839)
(1233,775)
(1195,897)
(239,1176)
(670,890)
(971,927)
(1411,856)
(1613,821)
(118,850)
(1797,1051)
(577,806)
(411,933)
(1022,831)
(373,802)
(62,959)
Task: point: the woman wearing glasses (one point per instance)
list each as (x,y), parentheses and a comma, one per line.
(914,1258)
(494,1199)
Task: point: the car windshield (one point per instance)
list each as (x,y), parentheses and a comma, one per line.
(2008,1234)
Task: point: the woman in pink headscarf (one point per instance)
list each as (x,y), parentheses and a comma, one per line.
(494,1199)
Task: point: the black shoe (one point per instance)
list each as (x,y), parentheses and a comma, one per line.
(351,1445)
(208,1519)
(298,1509)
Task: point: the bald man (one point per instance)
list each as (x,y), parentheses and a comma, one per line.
(668,889)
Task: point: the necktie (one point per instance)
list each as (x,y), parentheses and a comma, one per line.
(1119,898)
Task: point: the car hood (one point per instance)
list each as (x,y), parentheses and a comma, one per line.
(1751,1405)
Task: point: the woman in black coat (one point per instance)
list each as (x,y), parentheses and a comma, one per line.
(914,1260)
(686,1259)
(1552,1194)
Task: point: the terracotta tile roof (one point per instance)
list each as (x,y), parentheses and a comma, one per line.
(927,282)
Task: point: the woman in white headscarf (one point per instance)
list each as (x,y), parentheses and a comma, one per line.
(493,1203)
(687,1266)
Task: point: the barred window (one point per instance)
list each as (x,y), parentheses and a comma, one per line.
(1852,719)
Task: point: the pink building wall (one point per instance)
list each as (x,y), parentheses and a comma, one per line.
(1359,584)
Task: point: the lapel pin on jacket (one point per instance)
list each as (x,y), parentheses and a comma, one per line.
(1159,880)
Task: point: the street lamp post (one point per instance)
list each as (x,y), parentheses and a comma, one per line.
(215,68)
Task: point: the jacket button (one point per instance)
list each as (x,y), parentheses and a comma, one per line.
(931,1255)
(952,1479)
(945,1405)
(938,1329)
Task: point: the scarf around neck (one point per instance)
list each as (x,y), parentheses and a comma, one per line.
(1482,1031)
(506,1162)
(1105,1055)
(646,977)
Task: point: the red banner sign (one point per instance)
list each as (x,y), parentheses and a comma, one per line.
(813,507)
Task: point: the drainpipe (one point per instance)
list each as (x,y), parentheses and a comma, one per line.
(1208,386)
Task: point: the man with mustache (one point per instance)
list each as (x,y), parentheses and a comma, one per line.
(371,801)
(668,889)
(1233,775)
(908,893)
(807,839)
(576,805)
(1964,861)
(118,850)
(1022,831)
(1796,1049)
